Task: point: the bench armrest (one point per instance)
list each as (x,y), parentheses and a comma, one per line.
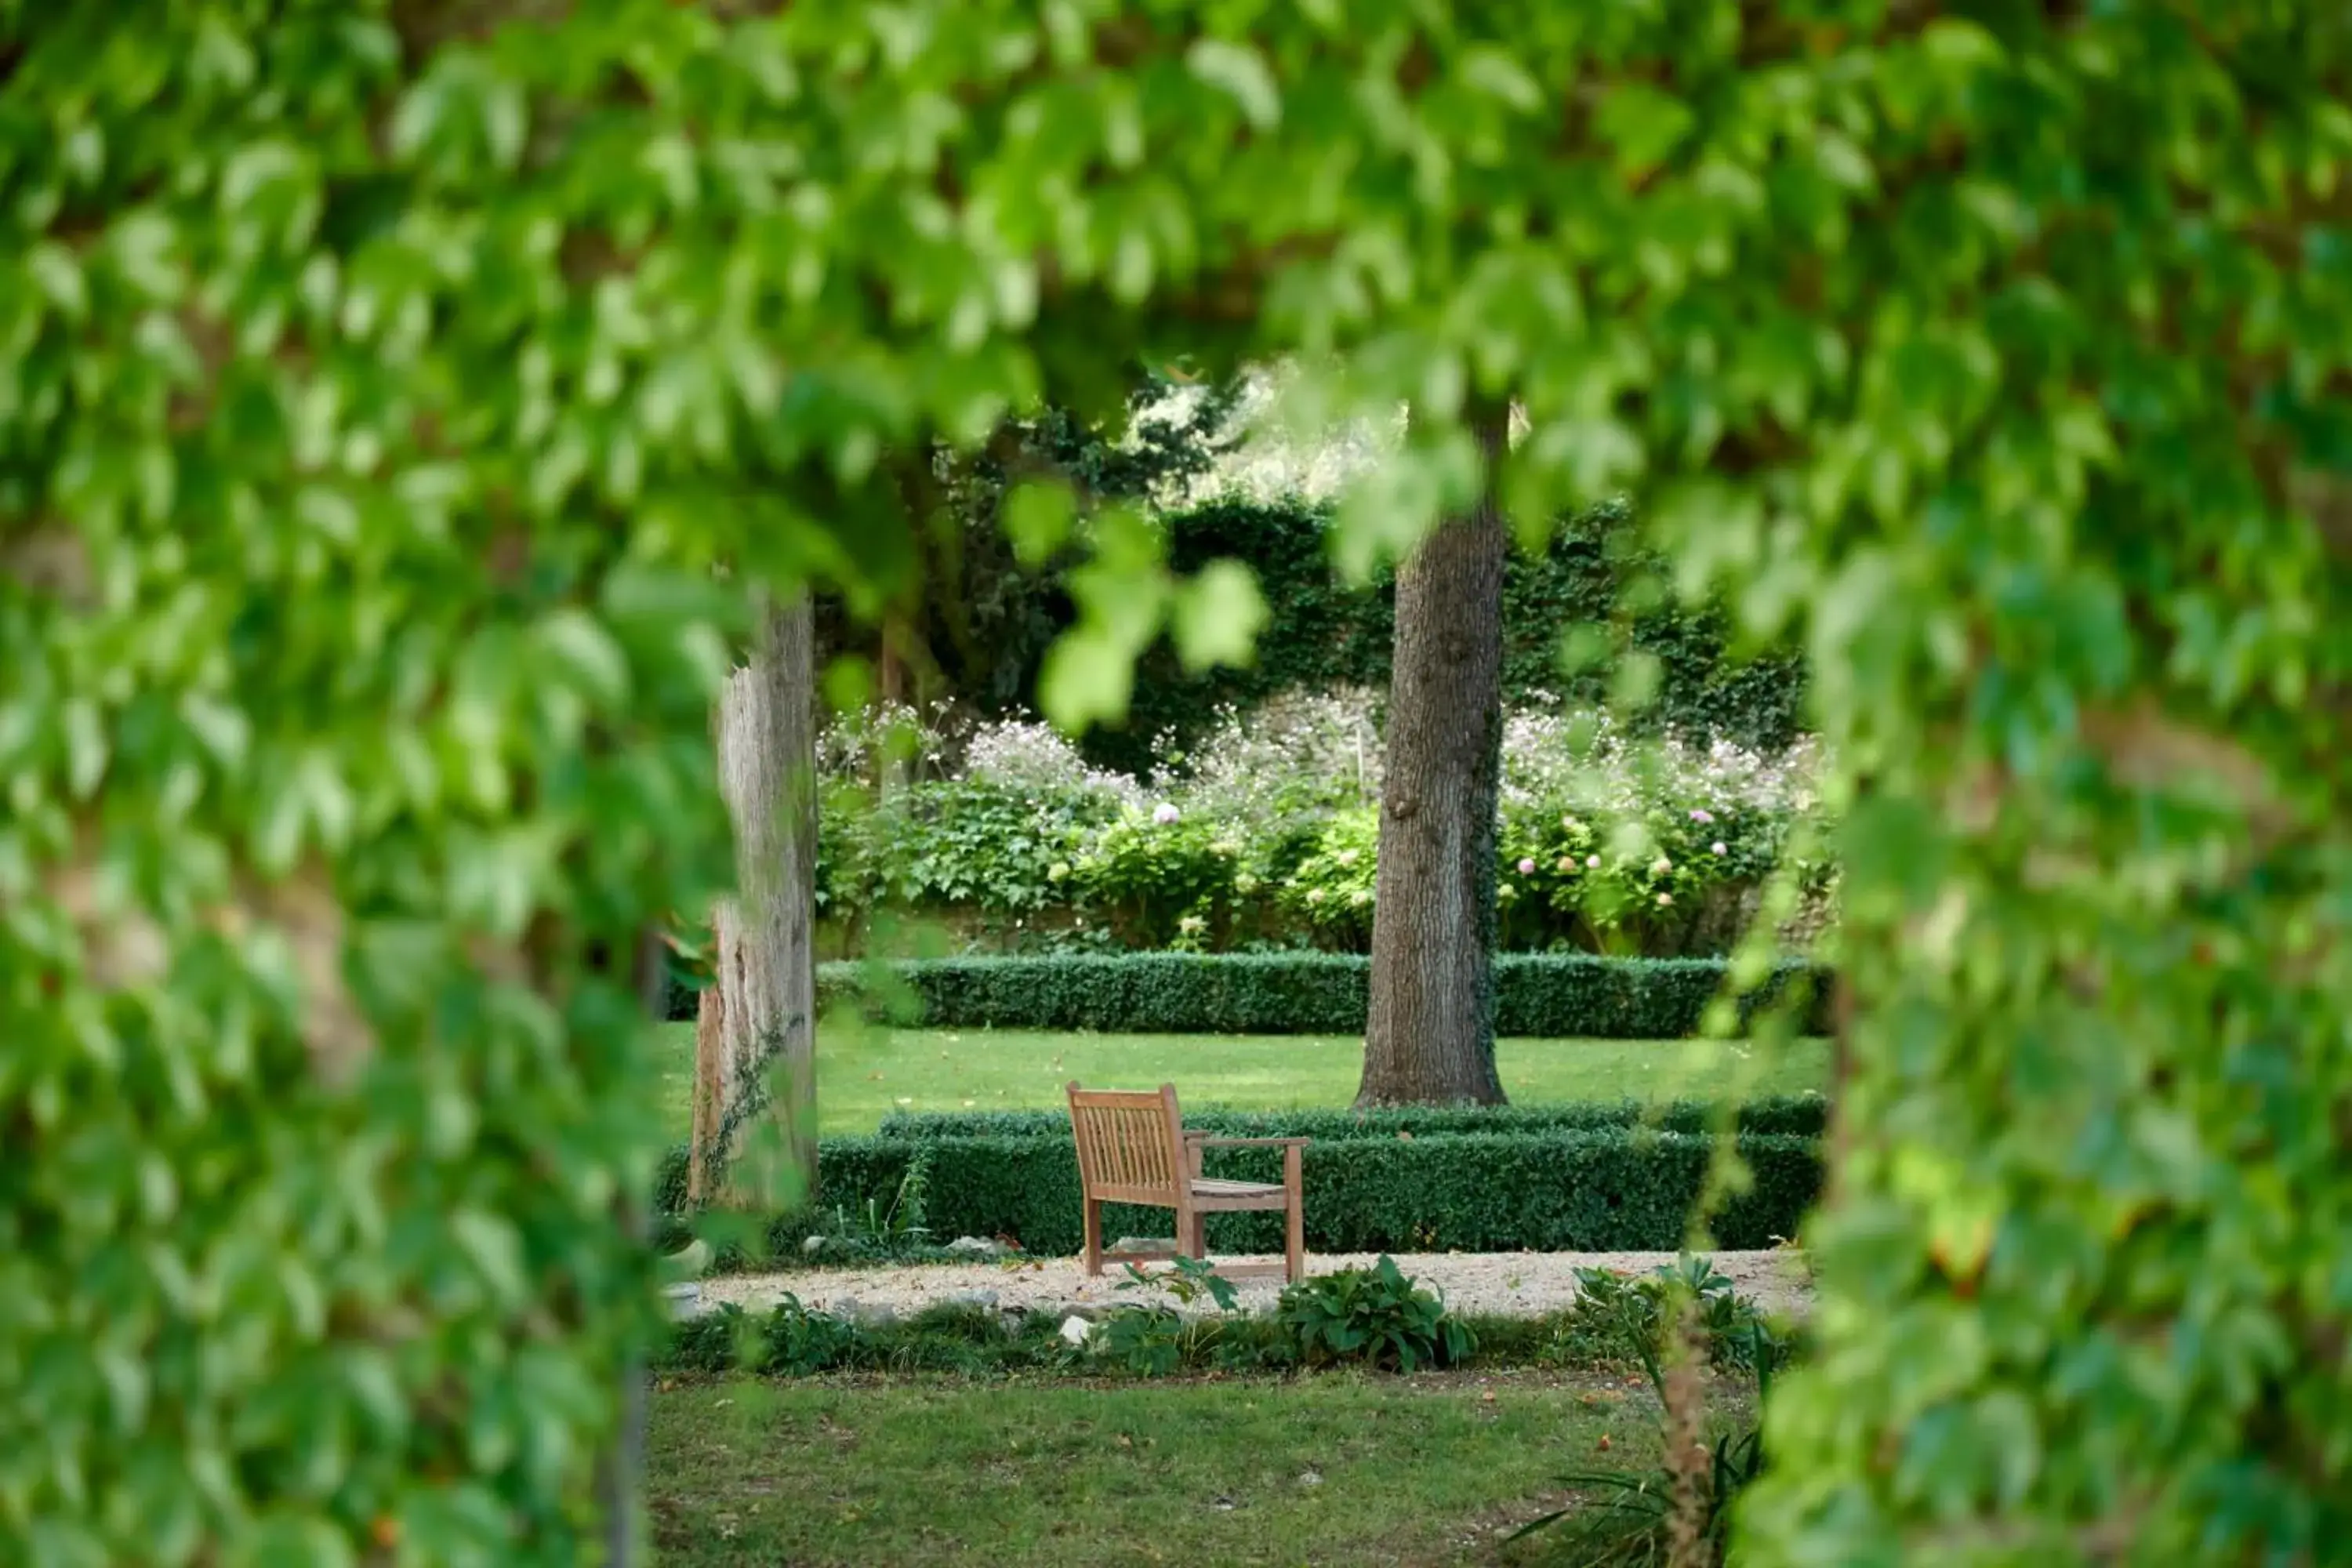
(1211,1141)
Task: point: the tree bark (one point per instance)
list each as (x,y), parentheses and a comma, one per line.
(756,1033)
(1430,1039)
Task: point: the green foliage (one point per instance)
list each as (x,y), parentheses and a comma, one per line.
(1602,1187)
(1159,883)
(1002,523)
(1373,1315)
(1631,1520)
(1267,836)
(1136,1339)
(1330,889)
(1331,634)
(1624,1315)
(959,843)
(1802,1116)
(1537,996)
(385,384)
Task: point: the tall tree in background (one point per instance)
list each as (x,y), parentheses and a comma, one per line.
(1430,1035)
(758,1019)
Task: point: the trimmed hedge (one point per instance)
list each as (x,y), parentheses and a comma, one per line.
(1603,1188)
(1800,1115)
(1557,996)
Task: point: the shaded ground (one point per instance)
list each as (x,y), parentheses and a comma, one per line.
(865,1073)
(1333,1470)
(1515,1283)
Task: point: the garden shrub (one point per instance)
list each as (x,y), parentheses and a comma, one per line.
(1537,996)
(1799,1115)
(1594,1189)
(1372,1315)
(1266,836)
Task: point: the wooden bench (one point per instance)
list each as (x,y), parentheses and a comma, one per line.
(1133,1148)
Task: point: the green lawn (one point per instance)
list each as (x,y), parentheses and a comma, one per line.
(863,1073)
(1332,1470)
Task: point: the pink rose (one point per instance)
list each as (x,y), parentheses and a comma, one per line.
(1702,815)
(1526,867)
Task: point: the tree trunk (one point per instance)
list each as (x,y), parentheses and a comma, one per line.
(755,1040)
(1431,1036)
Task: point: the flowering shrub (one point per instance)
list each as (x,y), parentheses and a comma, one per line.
(1293,758)
(1268,836)
(961,843)
(1330,891)
(1158,876)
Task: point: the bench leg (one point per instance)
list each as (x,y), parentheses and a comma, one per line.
(1294,1218)
(1196,1240)
(1093,1207)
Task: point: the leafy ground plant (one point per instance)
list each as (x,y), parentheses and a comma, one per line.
(1376,1315)
(1618,1315)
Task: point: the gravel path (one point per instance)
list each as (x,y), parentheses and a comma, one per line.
(1520,1284)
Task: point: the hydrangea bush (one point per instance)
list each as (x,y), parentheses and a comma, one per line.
(1267,834)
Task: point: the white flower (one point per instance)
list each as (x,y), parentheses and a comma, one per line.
(1718,847)
(1057,871)
(1567,862)
(1191,925)
(1164,813)
(1661,865)
(1592,862)
(1314,895)
(1348,856)
(1665,898)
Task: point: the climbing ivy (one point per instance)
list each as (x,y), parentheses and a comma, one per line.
(383,381)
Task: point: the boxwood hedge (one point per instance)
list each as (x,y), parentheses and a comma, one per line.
(1560,995)
(1803,1115)
(1595,1188)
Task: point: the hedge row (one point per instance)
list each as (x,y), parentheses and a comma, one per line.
(1800,1115)
(1551,995)
(1602,1189)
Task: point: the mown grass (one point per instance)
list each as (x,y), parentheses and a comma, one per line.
(863,1073)
(1332,1470)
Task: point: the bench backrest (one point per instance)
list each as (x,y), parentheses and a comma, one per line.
(1130,1145)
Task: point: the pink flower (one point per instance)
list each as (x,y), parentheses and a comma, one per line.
(1702,815)
(1164,813)
(1526,867)
(1592,862)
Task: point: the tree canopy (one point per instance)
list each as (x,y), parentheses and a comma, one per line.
(382,383)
